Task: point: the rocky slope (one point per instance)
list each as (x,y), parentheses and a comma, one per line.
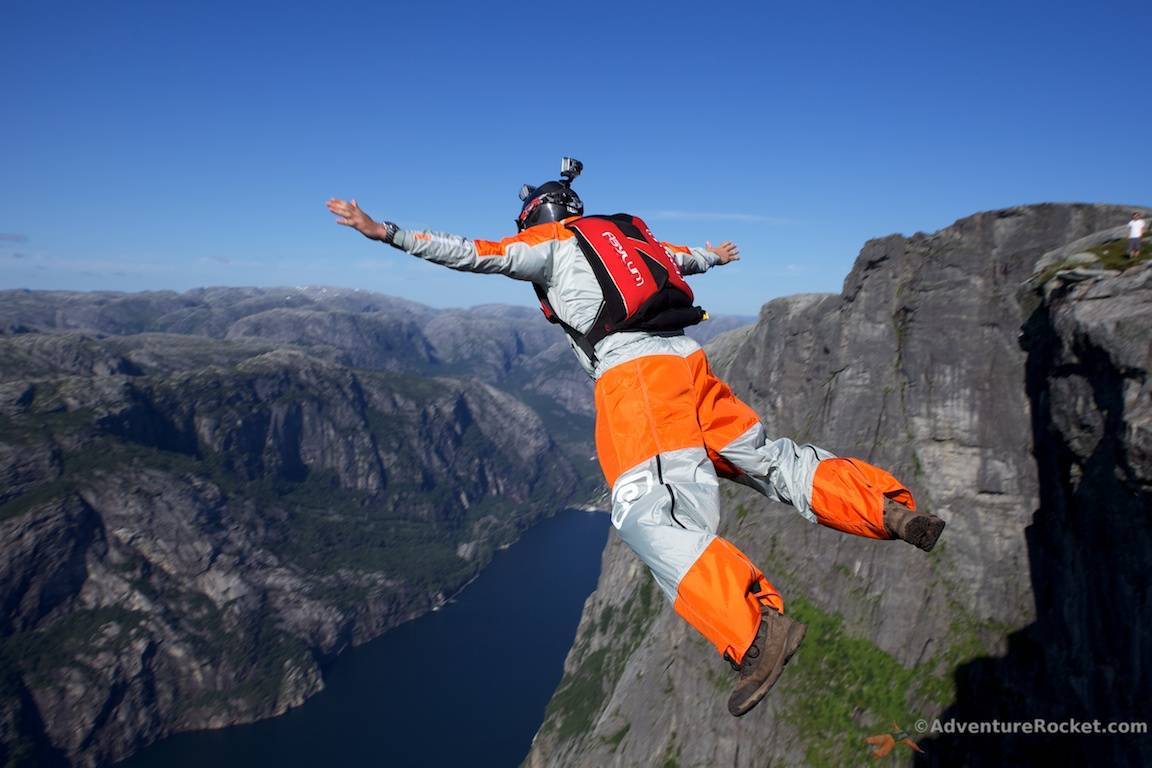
(510,347)
(1088,339)
(205,495)
(189,526)
(1020,415)
(500,345)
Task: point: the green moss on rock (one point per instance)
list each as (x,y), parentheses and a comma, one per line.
(581,694)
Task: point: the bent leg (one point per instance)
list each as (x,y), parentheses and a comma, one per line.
(666,500)
(841,493)
(666,510)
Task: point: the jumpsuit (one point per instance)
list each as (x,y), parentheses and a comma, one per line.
(667,428)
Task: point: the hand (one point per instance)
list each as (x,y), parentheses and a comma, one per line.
(350,215)
(727,251)
(880,745)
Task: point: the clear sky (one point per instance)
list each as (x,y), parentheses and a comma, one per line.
(177,144)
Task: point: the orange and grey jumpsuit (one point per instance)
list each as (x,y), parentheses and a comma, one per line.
(666,428)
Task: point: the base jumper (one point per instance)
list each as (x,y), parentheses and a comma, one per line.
(666,427)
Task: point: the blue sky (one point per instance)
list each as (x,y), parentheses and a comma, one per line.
(173,145)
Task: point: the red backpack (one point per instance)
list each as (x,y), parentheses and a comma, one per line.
(642,286)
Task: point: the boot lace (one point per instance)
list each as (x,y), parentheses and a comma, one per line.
(753,652)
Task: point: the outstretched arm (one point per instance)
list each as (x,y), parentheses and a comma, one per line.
(527,256)
(693,261)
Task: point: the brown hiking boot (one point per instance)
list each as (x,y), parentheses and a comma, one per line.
(919,529)
(776,640)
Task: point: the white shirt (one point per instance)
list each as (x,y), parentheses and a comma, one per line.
(1136,227)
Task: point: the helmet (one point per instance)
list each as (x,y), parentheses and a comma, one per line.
(553,200)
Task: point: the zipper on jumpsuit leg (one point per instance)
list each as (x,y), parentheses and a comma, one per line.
(671,495)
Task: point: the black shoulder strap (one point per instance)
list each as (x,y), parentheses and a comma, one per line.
(578,338)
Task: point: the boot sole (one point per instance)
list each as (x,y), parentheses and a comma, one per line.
(923,531)
(795,637)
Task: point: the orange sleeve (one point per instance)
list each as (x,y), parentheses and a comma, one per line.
(541,233)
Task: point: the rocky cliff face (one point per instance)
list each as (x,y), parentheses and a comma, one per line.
(1021,419)
(205,495)
(190,526)
(1088,339)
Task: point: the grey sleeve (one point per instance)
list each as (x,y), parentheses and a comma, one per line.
(693,261)
(512,256)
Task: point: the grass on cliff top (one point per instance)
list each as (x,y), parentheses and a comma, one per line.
(1114,253)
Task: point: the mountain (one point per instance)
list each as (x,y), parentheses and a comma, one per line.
(999,366)
(499,344)
(204,496)
(510,347)
(190,527)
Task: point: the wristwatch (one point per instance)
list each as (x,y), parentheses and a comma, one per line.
(390,230)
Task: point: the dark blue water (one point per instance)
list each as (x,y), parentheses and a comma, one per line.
(466,685)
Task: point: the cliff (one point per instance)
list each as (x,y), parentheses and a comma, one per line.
(1000,371)
(191,525)
(206,495)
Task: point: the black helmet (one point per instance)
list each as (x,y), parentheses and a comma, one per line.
(553,200)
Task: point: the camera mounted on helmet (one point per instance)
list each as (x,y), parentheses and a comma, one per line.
(553,200)
(570,168)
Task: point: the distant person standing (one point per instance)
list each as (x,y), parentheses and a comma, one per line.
(1136,228)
